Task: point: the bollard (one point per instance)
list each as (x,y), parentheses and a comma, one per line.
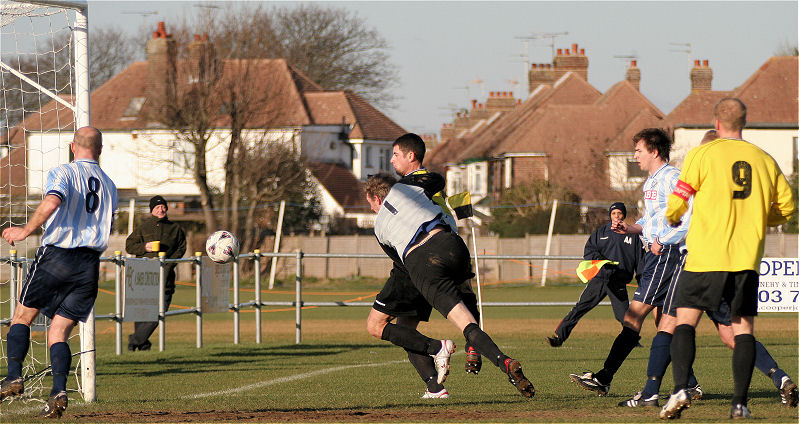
(257,284)
(118,300)
(162,278)
(236,300)
(298,296)
(198,297)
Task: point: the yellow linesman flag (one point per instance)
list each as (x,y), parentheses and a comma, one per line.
(588,269)
(461,204)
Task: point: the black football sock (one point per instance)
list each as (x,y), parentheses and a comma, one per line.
(623,345)
(60,361)
(682,351)
(408,338)
(17,342)
(423,363)
(484,344)
(744,357)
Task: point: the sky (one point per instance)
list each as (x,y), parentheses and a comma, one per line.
(443,50)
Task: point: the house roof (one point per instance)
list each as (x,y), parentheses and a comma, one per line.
(342,185)
(295,101)
(331,107)
(770,95)
(569,89)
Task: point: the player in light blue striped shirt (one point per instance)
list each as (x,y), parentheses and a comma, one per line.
(656,190)
(663,257)
(77,212)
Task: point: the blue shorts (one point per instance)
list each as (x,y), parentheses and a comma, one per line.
(63,282)
(657,274)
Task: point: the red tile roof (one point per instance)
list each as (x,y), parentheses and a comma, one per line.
(330,107)
(770,95)
(342,185)
(570,89)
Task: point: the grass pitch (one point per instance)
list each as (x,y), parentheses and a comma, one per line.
(339,374)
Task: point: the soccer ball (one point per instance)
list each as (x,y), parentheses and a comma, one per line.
(222,247)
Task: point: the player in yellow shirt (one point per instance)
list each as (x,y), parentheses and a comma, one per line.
(738,191)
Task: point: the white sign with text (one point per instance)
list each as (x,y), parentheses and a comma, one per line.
(779,285)
(141,291)
(216,286)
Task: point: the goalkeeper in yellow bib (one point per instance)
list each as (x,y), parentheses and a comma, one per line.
(738,191)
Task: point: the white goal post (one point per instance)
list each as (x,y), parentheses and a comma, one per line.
(74,96)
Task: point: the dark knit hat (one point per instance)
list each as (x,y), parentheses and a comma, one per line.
(158,200)
(618,206)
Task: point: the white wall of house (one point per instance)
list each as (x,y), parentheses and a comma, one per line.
(619,171)
(780,143)
(321,143)
(154,161)
(372,156)
(45,151)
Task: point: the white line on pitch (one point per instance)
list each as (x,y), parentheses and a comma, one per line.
(290,378)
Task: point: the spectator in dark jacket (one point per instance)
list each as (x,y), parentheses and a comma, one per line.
(605,244)
(172,241)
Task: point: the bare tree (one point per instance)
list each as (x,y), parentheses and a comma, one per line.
(272,172)
(787,48)
(337,50)
(110,51)
(332,46)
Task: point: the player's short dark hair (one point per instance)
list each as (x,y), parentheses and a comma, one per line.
(379,184)
(731,113)
(411,142)
(655,139)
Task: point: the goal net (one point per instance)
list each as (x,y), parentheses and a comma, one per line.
(45,97)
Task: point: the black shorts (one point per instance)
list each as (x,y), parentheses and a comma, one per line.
(440,269)
(708,290)
(400,298)
(720,316)
(63,282)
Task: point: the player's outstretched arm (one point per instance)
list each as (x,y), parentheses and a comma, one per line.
(783,206)
(45,209)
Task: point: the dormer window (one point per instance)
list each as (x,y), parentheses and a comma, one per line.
(133,109)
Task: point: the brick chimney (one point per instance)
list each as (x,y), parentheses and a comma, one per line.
(447,132)
(477,113)
(161,71)
(202,59)
(539,74)
(500,101)
(701,76)
(461,122)
(571,60)
(633,75)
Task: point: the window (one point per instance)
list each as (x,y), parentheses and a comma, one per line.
(634,171)
(385,160)
(132,111)
(368,157)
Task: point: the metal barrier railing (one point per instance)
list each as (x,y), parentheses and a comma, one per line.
(119,261)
